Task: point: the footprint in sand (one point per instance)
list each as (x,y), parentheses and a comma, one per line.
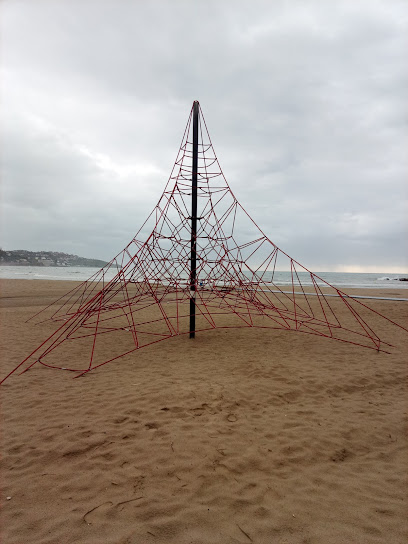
(151,426)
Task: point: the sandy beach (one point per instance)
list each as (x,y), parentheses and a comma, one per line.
(239,436)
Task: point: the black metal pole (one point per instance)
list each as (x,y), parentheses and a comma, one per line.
(193,264)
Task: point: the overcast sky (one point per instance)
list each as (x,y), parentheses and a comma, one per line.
(305,102)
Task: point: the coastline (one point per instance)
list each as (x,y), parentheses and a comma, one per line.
(60,287)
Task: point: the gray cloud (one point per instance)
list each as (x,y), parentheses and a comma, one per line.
(305,103)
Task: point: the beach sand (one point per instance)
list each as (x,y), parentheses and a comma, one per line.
(238,436)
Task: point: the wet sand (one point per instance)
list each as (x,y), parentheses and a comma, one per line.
(239,436)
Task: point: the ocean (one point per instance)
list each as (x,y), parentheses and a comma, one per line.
(338,279)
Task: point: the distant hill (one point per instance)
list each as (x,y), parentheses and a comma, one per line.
(22,257)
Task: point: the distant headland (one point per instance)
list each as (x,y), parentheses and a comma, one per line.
(22,257)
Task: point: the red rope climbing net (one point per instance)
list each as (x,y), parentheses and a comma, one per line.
(143,295)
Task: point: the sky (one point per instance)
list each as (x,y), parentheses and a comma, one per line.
(305,102)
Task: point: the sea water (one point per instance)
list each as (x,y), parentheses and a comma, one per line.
(338,279)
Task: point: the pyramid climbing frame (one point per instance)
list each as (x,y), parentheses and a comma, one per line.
(199,262)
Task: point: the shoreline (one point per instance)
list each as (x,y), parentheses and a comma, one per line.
(25,283)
